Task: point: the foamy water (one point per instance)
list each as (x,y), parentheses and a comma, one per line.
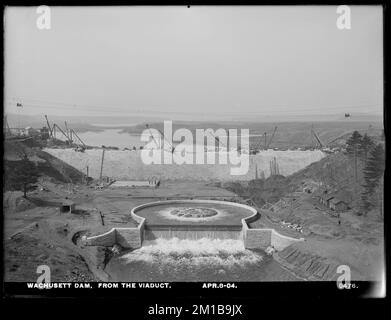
(195,260)
(210,252)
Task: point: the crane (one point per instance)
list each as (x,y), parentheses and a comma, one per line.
(271,138)
(316,137)
(50,129)
(74,133)
(266,143)
(56,126)
(69,132)
(218,140)
(162,135)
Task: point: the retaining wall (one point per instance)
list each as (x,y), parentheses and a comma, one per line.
(262,238)
(257,239)
(280,242)
(128,238)
(106,239)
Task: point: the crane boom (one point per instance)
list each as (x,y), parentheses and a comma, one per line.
(74,133)
(157,144)
(65,135)
(271,138)
(69,132)
(217,140)
(317,138)
(50,129)
(340,137)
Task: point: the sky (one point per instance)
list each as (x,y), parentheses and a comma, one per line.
(228,61)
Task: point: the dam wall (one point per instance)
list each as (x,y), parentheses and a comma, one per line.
(192,234)
(128,165)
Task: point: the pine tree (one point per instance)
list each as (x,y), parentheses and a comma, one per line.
(365,146)
(352,148)
(373,174)
(354,142)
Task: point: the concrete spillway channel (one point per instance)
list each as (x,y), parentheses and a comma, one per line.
(192,219)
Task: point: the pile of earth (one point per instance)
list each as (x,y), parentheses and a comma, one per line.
(32,246)
(47,165)
(262,191)
(15,202)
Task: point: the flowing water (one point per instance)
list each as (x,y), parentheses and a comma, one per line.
(195,260)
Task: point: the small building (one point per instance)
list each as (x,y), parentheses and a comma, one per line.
(307,190)
(67,206)
(338,205)
(325,199)
(29,131)
(336,201)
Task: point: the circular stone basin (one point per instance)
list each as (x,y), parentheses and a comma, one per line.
(198,212)
(193,212)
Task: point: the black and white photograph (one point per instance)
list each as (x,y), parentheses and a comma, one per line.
(193,145)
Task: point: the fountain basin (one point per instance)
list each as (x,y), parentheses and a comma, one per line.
(193,219)
(222,220)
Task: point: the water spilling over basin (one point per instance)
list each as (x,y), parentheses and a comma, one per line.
(195,260)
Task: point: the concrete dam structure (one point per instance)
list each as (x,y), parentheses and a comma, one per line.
(193,220)
(128,165)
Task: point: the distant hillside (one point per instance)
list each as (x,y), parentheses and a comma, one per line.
(288,134)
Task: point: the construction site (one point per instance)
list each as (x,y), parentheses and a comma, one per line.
(82,193)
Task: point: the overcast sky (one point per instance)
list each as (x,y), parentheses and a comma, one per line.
(239,60)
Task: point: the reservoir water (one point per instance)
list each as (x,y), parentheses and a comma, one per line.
(111,137)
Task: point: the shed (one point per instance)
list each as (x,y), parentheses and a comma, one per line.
(338,205)
(325,199)
(67,206)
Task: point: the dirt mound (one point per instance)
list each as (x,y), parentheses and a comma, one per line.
(58,169)
(13,201)
(47,165)
(30,247)
(261,191)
